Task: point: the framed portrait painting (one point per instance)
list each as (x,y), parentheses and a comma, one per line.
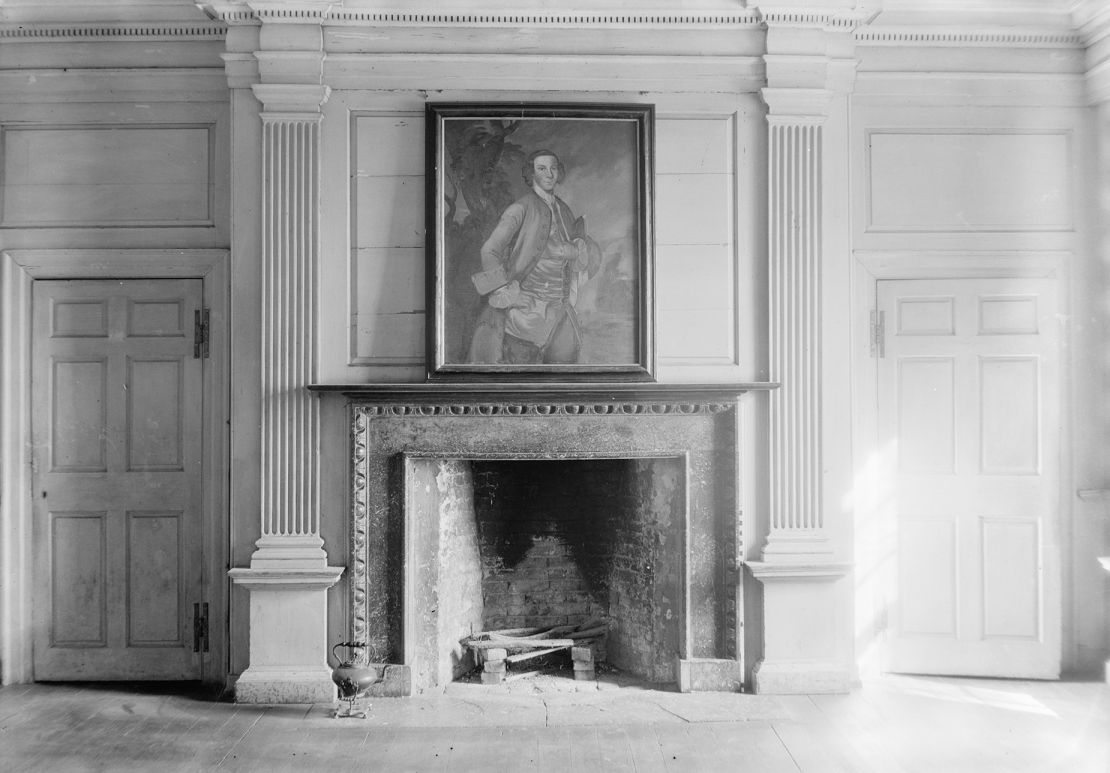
(540,242)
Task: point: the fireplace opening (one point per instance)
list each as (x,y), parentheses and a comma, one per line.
(529,543)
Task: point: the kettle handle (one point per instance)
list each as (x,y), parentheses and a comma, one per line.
(349,645)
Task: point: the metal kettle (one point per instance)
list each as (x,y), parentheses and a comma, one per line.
(353,676)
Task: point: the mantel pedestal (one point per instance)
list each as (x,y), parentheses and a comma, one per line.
(800,623)
(288,635)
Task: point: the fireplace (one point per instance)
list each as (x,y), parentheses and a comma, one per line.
(534,510)
(550,542)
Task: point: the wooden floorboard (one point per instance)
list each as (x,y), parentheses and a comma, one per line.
(891,725)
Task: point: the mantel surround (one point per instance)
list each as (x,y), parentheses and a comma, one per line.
(396,428)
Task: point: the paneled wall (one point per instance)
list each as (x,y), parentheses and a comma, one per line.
(965,178)
(708,236)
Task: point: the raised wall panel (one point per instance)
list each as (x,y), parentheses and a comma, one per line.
(968,181)
(391,282)
(695,295)
(154,422)
(1009,404)
(693,209)
(79,611)
(78,422)
(154,578)
(1011,578)
(389,145)
(156,319)
(927,577)
(694,145)
(79,319)
(389,211)
(926,316)
(1008,315)
(695,275)
(107,176)
(387,267)
(926,415)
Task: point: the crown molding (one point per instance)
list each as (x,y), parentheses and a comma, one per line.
(112,31)
(740,19)
(258,13)
(1093,21)
(841,21)
(962,36)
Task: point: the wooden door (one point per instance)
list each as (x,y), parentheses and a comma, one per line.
(969,416)
(117,477)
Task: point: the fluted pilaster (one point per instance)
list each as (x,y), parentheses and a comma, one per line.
(794,231)
(290,519)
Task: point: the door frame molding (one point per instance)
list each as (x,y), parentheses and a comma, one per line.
(869,267)
(19,269)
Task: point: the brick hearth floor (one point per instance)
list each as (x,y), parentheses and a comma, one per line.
(890,725)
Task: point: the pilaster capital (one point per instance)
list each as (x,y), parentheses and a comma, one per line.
(796,107)
(810,49)
(303,101)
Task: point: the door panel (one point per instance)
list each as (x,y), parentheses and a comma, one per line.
(117,473)
(969,404)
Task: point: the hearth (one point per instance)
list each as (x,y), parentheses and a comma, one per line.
(469,514)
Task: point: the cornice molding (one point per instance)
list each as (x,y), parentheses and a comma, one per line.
(258,13)
(1092,19)
(110,31)
(744,19)
(955,36)
(825,20)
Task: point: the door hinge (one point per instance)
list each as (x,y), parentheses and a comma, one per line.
(878,333)
(200,333)
(200,627)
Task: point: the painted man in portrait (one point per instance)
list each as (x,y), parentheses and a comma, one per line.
(532,264)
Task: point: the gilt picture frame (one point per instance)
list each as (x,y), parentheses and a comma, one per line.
(540,242)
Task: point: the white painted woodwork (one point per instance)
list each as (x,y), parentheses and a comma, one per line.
(290,425)
(968,181)
(794,195)
(113,175)
(969,413)
(118,485)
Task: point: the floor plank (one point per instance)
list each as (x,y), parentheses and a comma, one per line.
(890,725)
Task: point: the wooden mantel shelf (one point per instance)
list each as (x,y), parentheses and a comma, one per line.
(437,392)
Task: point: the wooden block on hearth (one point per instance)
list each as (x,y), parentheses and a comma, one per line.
(585,675)
(488,678)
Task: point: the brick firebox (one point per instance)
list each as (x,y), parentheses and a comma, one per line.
(657,465)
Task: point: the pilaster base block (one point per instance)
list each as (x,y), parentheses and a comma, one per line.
(285,685)
(770,678)
(288,635)
(803,647)
(709,675)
